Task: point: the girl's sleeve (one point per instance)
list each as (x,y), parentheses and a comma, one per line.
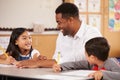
(34,52)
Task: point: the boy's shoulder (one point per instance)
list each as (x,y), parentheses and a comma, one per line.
(112,62)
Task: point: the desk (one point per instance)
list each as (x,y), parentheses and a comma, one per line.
(36,74)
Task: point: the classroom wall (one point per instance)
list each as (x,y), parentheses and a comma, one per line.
(46,43)
(25,13)
(112,36)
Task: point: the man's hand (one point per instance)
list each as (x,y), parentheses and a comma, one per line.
(27,64)
(41,57)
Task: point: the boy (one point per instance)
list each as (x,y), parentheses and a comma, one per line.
(97,51)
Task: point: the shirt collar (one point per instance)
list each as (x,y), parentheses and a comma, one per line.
(80,32)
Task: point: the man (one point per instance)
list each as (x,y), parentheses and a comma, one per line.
(72,38)
(74,34)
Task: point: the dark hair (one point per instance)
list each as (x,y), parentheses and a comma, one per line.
(12,48)
(98,47)
(68,10)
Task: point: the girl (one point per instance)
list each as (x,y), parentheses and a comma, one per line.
(20,47)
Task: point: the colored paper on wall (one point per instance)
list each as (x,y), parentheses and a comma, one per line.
(114,15)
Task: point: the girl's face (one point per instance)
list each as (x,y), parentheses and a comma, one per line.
(24,41)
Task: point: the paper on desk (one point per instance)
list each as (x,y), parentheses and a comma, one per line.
(78,73)
(61,77)
(5,65)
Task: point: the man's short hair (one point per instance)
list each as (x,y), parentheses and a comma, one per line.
(68,10)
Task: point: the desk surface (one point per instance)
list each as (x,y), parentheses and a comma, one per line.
(37,73)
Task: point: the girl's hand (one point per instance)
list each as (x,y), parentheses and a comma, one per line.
(56,68)
(97,75)
(10,60)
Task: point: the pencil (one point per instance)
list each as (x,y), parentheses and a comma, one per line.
(6,55)
(58,58)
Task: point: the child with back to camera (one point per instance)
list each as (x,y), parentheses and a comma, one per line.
(19,47)
(97,51)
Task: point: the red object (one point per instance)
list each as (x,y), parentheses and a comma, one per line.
(117,15)
(95,67)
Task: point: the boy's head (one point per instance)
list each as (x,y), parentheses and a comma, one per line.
(97,47)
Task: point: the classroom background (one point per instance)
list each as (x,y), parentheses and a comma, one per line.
(39,17)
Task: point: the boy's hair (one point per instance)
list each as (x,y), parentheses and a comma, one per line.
(68,10)
(98,47)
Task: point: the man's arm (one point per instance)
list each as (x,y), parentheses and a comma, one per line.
(48,63)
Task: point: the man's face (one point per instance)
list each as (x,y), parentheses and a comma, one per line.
(63,24)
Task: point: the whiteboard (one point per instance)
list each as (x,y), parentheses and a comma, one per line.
(24,13)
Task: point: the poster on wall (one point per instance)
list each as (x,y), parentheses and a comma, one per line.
(3,44)
(114,15)
(94,20)
(94,5)
(81,4)
(83,17)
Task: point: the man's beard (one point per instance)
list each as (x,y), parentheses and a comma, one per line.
(66,33)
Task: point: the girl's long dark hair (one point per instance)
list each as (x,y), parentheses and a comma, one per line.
(12,48)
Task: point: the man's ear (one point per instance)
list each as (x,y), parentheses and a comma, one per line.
(71,19)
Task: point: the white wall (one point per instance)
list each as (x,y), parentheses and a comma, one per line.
(23,13)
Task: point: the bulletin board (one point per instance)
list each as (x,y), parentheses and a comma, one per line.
(90,12)
(91,9)
(114,15)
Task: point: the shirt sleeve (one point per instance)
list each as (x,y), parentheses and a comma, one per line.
(83,64)
(114,70)
(35,52)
